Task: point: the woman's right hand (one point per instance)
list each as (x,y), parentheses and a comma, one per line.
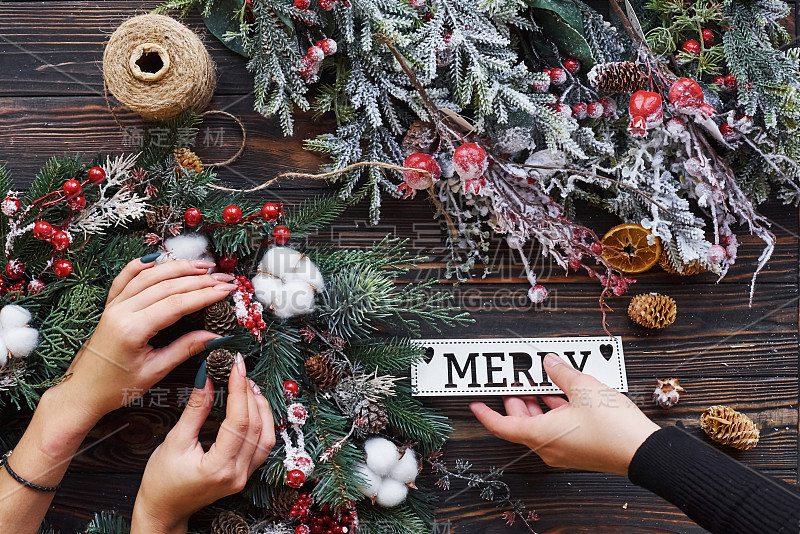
(180,477)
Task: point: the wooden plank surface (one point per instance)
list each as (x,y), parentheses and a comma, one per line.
(723,351)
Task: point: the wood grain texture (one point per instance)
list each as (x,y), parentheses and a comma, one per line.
(722,350)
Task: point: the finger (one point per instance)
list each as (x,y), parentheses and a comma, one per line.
(563,375)
(197,409)
(516,407)
(133,268)
(554,401)
(267,440)
(532,402)
(174,286)
(504,427)
(167,358)
(165,271)
(234,428)
(245,456)
(165,312)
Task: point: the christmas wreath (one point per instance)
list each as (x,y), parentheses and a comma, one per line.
(679,117)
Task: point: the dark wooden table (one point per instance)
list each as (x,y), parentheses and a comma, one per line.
(724,352)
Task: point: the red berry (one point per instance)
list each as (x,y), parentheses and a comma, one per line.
(579,110)
(34,286)
(290,388)
(232,214)
(62,268)
(281,235)
(719,81)
(572,65)
(326,5)
(708,38)
(43,230)
(557,76)
(302,5)
(470,161)
(597,248)
(595,110)
(315,54)
(61,240)
(691,47)
(76,203)
(725,129)
(15,269)
(295,478)
(228,263)
(72,188)
(302,529)
(97,175)
(271,211)
(424,162)
(193,216)
(10,205)
(730,81)
(328,46)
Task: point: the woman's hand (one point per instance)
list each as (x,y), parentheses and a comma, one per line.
(597,429)
(180,477)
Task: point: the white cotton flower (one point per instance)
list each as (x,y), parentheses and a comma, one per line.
(287,282)
(16,337)
(406,469)
(13,316)
(372,482)
(382,455)
(293,299)
(3,353)
(185,247)
(278,260)
(266,288)
(391,493)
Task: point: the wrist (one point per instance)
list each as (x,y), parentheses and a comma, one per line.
(147,520)
(67,421)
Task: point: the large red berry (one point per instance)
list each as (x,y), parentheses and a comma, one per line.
(271,211)
(43,230)
(424,162)
(61,240)
(557,76)
(72,188)
(290,388)
(302,5)
(232,214)
(97,175)
(315,54)
(708,38)
(62,268)
(691,47)
(15,269)
(572,65)
(470,161)
(595,110)
(76,203)
(34,286)
(295,478)
(281,235)
(730,81)
(193,216)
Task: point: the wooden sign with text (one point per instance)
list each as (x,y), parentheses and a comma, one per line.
(512,366)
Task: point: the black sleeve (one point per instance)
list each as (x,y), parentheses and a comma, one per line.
(717,492)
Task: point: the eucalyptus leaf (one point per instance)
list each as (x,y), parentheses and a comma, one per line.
(561,22)
(221,19)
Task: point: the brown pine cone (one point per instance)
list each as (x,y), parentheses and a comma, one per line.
(218,365)
(157,217)
(374,418)
(320,370)
(652,310)
(690,269)
(229,523)
(420,137)
(620,77)
(220,318)
(729,427)
(281,502)
(188,160)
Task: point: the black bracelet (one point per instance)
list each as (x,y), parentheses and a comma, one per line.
(31,485)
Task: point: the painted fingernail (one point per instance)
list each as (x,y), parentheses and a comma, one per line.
(200,378)
(203,264)
(219,342)
(150,258)
(225,287)
(551,360)
(222,277)
(255,388)
(240,365)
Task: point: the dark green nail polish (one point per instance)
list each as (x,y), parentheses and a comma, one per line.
(150,258)
(219,342)
(200,379)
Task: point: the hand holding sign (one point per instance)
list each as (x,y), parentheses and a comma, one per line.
(597,428)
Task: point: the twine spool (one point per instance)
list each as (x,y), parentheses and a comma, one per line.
(157,67)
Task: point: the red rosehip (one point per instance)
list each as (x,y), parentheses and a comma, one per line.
(708,38)
(424,162)
(290,388)
(192,216)
(228,263)
(691,47)
(43,230)
(61,240)
(72,188)
(572,65)
(76,203)
(62,268)
(730,81)
(97,175)
(232,214)
(281,235)
(271,211)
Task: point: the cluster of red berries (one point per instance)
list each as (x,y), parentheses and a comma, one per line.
(248,310)
(604,107)
(693,48)
(312,61)
(727,82)
(232,214)
(325,521)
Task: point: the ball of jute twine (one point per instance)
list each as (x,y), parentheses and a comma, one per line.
(157,67)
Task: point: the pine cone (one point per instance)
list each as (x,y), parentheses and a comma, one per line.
(229,523)
(157,216)
(281,502)
(374,418)
(419,137)
(729,427)
(621,77)
(188,160)
(690,269)
(218,365)
(653,310)
(320,370)
(220,318)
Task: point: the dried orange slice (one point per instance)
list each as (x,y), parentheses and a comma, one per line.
(625,247)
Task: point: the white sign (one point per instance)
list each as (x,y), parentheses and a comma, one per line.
(512,366)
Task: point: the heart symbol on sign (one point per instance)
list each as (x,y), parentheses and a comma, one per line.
(428,354)
(606,350)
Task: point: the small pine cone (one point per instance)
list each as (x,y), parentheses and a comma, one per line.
(220,318)
(320,370)
(219,364)
(280,505)
(620,77)
(374,418)
(729,427)
(229,523)
(157,216)
(652,310)
(188,160)
(420,137)
(690,269)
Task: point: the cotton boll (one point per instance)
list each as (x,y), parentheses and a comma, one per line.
(13,316)
(279,260)
(266,288)
(294,299)
(185,247)
(21,341)
(391,493)
(3,353)
(382,455)
(372,482)
(305,271)
(406,469)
